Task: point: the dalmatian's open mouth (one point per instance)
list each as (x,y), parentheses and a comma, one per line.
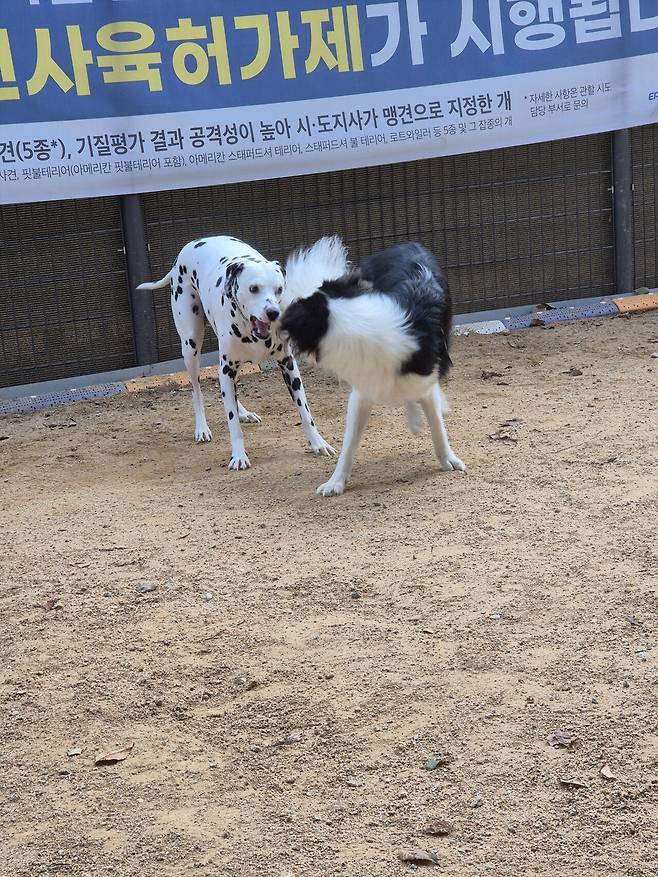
(261,329)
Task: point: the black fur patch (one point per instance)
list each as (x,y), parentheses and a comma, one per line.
(306,321)
(349,286)
(412,276)
(200,244)
(296,384)
(195,309)
(193,343)
(236,331)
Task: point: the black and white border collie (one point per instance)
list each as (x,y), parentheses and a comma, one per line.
(385,330)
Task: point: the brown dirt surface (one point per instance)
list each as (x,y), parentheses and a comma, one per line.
(300,661)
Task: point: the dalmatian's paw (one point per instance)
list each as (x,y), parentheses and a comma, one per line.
(333,487)
(322,448)
(202,434)
(239,462)
(452,463)
(249,417)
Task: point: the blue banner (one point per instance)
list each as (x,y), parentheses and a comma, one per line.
(147,67)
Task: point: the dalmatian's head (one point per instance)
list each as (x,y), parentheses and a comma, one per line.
(256,287)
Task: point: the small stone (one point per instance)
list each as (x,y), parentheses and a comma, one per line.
(353,782)
(439,761)
(438,828)
(355,595)
(289,739)
(208,595)
(146,588)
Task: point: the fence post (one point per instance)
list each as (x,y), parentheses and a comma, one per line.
(622,206)
(138,266)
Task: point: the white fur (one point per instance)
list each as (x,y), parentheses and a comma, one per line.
(308,268)
(365,344)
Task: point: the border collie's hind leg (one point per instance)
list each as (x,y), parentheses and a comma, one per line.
(433,406)
(358,412)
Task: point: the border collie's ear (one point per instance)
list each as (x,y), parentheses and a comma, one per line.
(348,286)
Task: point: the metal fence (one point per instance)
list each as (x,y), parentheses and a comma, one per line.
(553,221)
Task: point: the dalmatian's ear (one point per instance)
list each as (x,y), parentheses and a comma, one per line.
(232,274)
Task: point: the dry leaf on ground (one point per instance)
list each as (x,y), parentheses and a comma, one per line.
(115,755)
(418,857)
(565,739)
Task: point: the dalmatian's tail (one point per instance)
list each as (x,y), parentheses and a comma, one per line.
(157,284)
(308,267)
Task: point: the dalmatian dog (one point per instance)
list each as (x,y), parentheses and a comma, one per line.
(230,284)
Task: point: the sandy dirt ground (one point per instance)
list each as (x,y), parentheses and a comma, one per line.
(313,686)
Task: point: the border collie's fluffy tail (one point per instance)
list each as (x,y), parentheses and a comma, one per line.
(157,284)
(307,268)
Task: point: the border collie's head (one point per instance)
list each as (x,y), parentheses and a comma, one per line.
(306,320)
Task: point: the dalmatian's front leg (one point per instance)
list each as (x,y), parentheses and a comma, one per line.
(293,381)
(227,374)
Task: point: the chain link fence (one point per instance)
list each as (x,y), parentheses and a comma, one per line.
(512,227)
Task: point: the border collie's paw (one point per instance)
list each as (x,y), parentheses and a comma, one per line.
(331,488)
(239,461)
(249,417)
(322,448)
(452,463)
(202,434)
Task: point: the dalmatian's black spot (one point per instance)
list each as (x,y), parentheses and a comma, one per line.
(246,339)
(296,384)
(305,406)
(268,342)
(200,244)
(223,356)
(299,402)
(195,309)
(186,341)
(232,312)
(230,415)
(227,370)
(220,280)
(279,348)
(223,395)
(183,269)
(236,331)
(193,297)
(193,343)
(291,364)
(312,423)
